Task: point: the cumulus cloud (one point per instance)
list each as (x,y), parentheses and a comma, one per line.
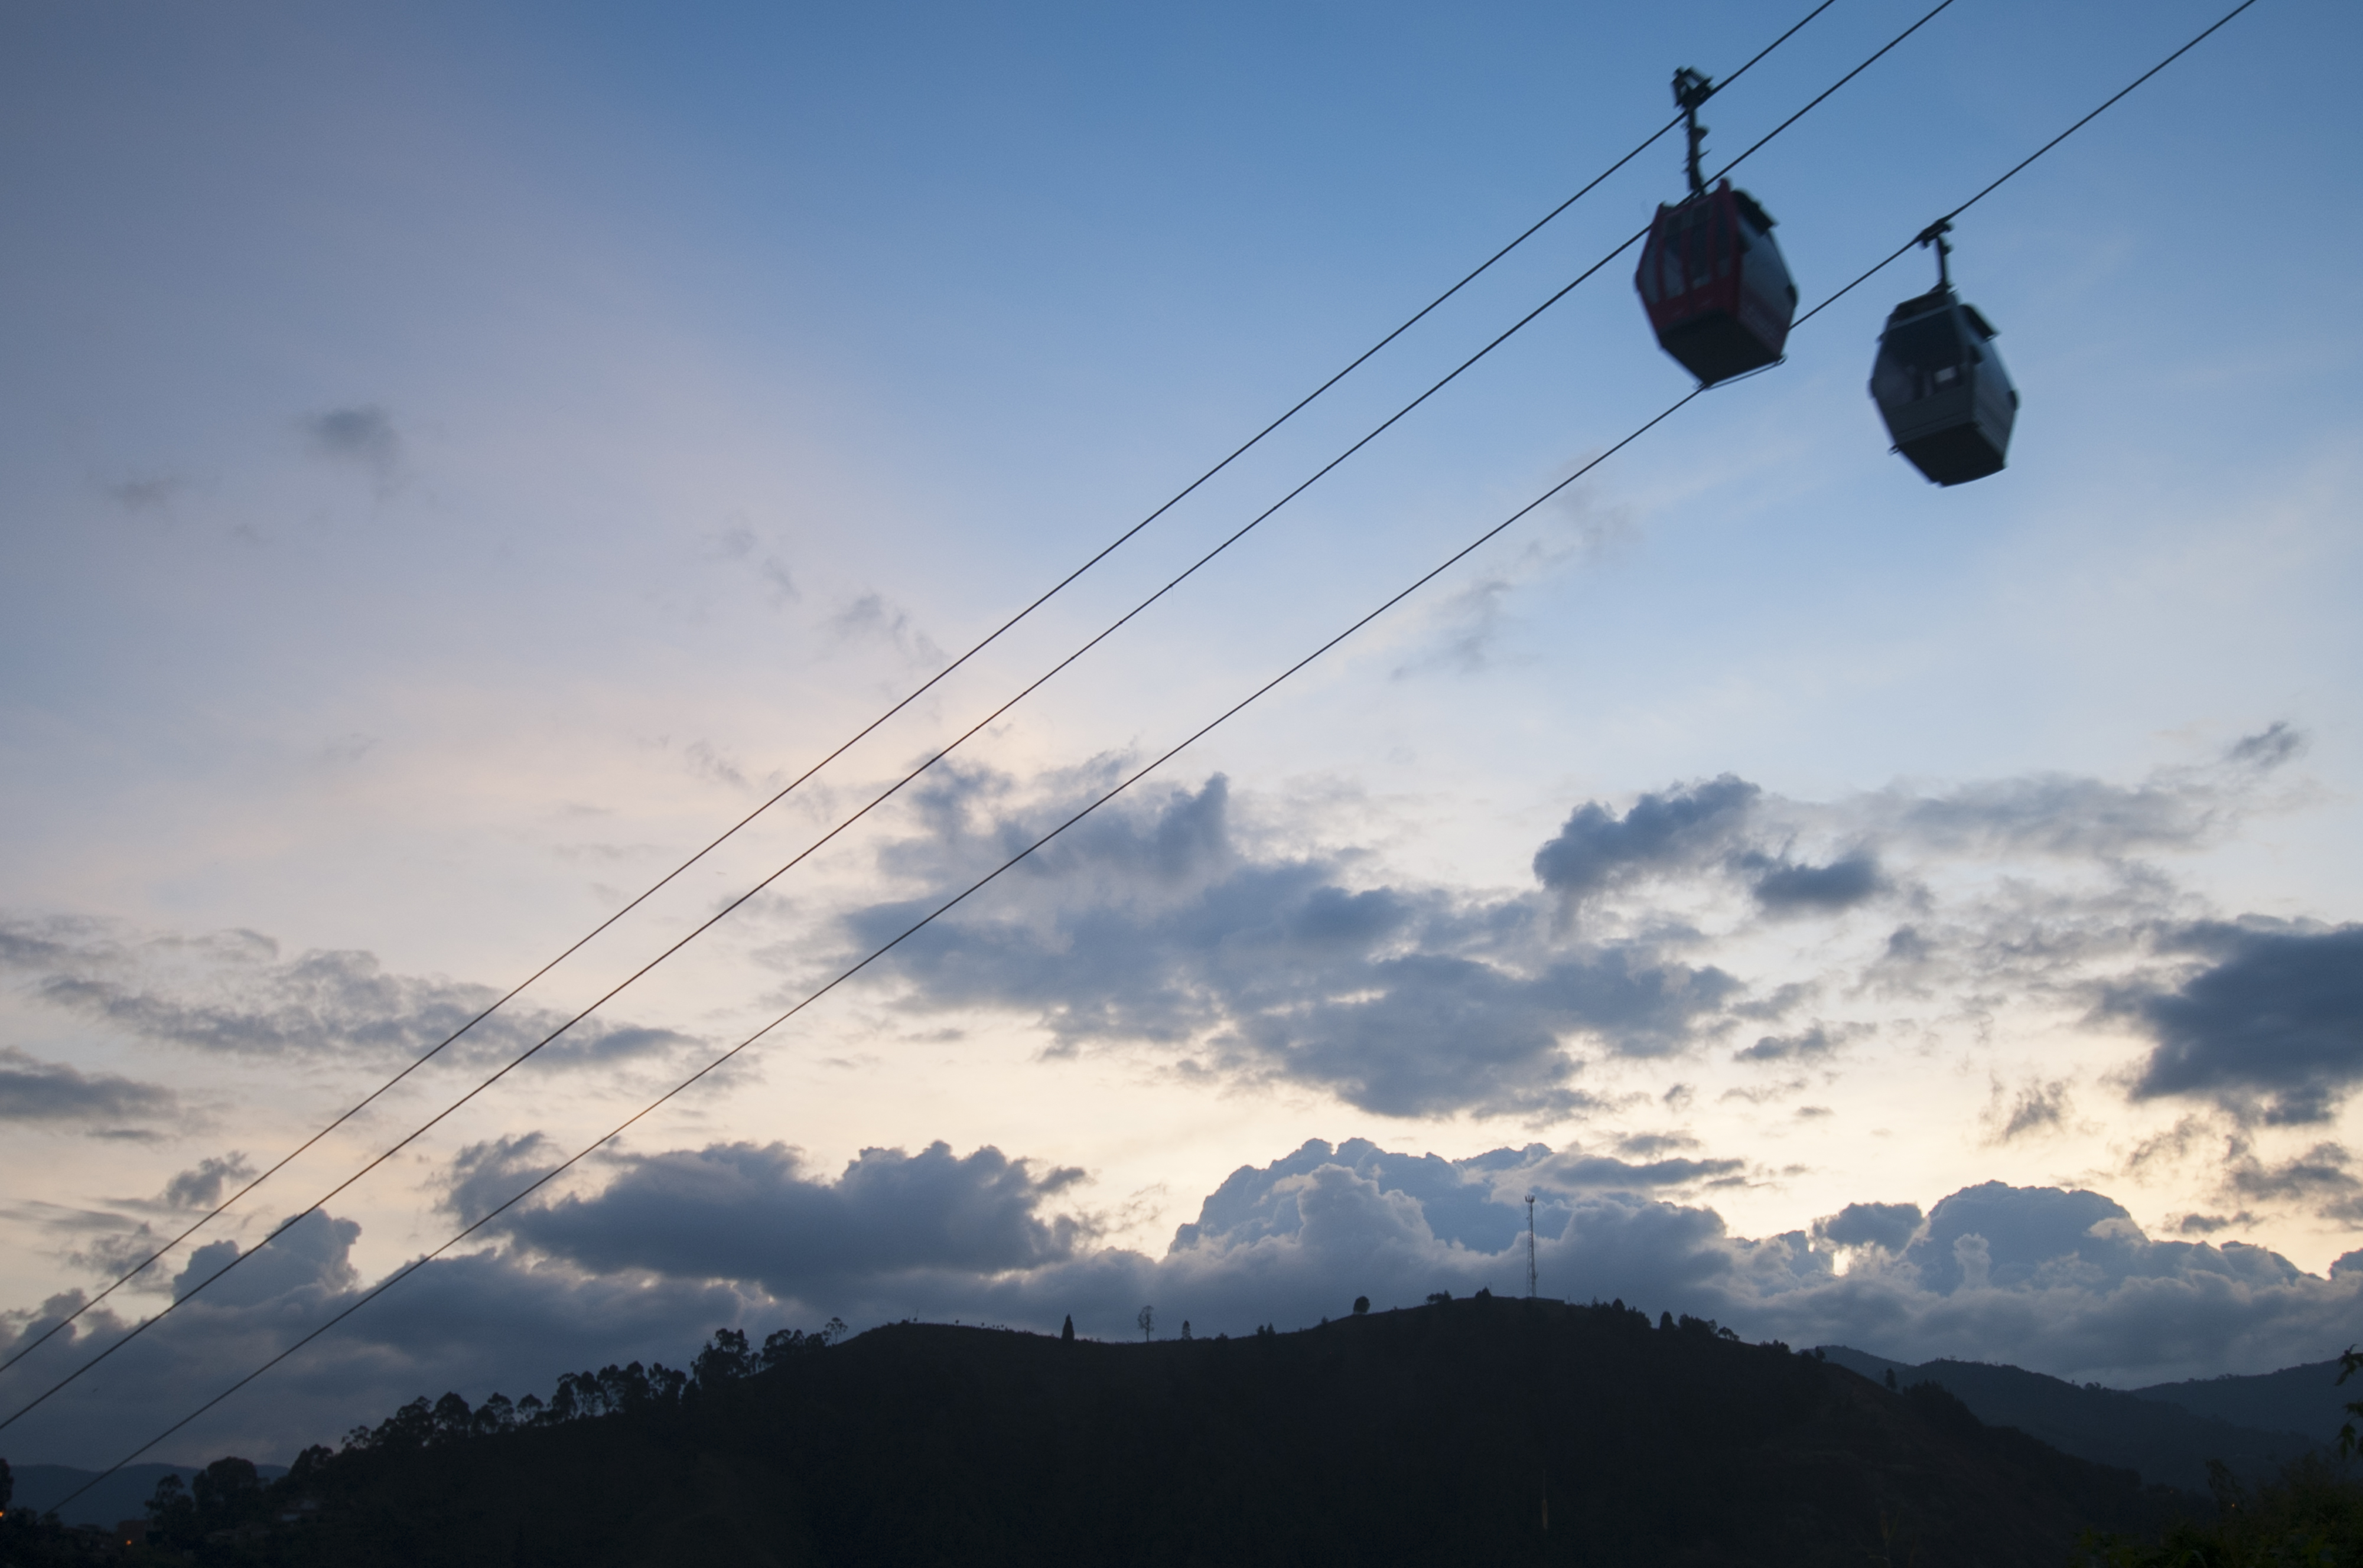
(1885,1225)
(680,1242)
(232,992)
(312,1254)
(36,1091)
(756,1212)
(2063,1281)
(2270,1025)
(477,1323)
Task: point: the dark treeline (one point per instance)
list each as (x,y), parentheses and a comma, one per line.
(1508,1430)
(580,1395)
(229,1514)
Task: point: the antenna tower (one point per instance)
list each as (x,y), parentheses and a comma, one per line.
(1530,1245)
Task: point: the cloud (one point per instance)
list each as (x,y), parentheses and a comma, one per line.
(1813,889)
(1729,826)
(33,1090)
(146,493)
(485,1176)
(202,1188)
(362,436)
(478,1323)
(2061,1280)
(2267,749)
(232,992)
(2020,1229)
(755,1212)
(2319,1177)
(311,1255)
(2209,1224)
(2037,1105)
(1675,830)
(1155,925)
(680,1242)
(2060,814)
(1806,1046)
(2269,1026)
(1886,1225)
(1465,626)
(871,619)
(1148,924)
(738,544)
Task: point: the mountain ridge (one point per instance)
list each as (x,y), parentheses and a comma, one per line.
(1510,1429)
(2165,1440)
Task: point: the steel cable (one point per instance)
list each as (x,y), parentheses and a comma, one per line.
(1425,578)
(888,793)
(988,640)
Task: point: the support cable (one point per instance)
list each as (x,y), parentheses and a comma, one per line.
(1935,228)
(1135,777)
(913,930)
(888,793)
(987,641)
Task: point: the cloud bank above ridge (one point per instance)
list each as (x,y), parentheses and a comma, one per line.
(682,1241)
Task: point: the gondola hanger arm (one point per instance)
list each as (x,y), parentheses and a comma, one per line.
(1693,88)
(1935,235)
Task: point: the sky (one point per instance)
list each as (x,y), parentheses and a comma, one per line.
(455,460)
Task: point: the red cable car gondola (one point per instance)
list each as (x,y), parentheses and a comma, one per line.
(1713,281)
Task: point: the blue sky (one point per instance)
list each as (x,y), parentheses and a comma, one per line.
(454,461)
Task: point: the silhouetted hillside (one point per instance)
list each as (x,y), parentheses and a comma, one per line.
(1484,1430)
(2297,1398)
(2163,1443)
(121,1495)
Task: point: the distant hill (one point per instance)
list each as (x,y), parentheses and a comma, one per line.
(1508,1431)
(2296,1398)
(2165,1443)
(121,1495)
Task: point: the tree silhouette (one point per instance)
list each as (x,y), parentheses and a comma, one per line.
(172,1517)
(1147,1322)
(1361,1305)
(2350,1361)
(453,1418)
(229,1493)
(1067,1333)
(726,1359)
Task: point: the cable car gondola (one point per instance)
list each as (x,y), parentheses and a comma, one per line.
(1714,286)
(1938,382)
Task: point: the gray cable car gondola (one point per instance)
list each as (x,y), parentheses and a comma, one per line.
(1716,290)
(1938,382)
